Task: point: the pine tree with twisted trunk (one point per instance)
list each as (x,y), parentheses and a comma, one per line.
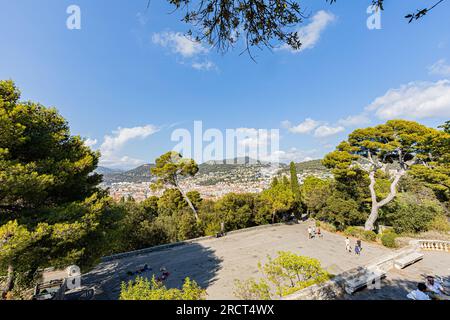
(393,148)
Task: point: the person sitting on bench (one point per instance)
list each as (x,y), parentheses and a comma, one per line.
(419,293)
(435,289)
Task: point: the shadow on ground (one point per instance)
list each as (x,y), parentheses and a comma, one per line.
(391,289)
(190,260)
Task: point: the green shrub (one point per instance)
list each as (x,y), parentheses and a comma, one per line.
(369,236)
(388,239)
(144,289)
(410,214)
(283,275)
(352,232)
(341,212)
(439,223)
(360,233)
(290,272)
(252,290)
(328,226)
(212,228)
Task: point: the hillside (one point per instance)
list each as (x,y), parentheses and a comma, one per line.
(213,172)
(136,175)
(313,165)
(105,170)
(209,173)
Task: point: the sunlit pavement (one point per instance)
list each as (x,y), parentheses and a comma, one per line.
(216,263)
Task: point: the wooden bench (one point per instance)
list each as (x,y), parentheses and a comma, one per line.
(408,260)
(364,279)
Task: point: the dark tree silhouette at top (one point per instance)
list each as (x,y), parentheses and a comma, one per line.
(261,23)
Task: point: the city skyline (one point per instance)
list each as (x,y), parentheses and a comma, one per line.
(125,87)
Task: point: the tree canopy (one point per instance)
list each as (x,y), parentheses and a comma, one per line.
(41,164)
(169,168)
(51,211)
(260,23)
(393,148)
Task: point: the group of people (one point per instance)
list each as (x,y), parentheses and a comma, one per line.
(314,232)
(162,277)
(358,246)
(431,289)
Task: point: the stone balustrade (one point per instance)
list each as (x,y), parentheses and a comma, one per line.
(334,288)
(432,245)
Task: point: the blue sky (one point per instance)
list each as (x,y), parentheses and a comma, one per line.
(128,78)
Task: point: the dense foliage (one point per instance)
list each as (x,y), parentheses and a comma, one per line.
(387,153)
(283,275)
(388,239)
(52,214)
(51,211)
(144,289)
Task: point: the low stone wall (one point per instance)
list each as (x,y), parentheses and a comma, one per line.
(181,243)
(335,288)
(330,290)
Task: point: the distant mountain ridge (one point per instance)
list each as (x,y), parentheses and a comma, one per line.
(216,170)
(236,161)
(309,166)
(136,175)
(105,170)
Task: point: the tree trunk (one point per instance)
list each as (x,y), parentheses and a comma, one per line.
(185,197)
(370,223)
(9,284)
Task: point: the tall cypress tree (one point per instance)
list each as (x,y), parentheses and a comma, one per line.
(294,182)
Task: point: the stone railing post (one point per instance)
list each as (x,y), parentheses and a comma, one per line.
(433,245)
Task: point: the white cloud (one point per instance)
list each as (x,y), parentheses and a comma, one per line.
(90,142)
(189,50)
(204,66)
(254,138)
(440,68)
(353,121)
(320,129)
(415,100)
(295,155)
(310,34)
(326,131)
(304,127)
(113,144)
(179,44)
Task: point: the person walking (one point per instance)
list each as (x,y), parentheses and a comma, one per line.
(309,232)
(347,245)
(357,250)
(319,233)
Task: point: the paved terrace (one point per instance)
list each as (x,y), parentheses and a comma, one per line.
(399,283)
(216,263)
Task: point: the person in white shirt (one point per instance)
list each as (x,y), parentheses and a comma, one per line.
(436,290)
(419,293)
(347,245)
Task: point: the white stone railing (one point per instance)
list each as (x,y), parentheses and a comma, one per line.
(432,245)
